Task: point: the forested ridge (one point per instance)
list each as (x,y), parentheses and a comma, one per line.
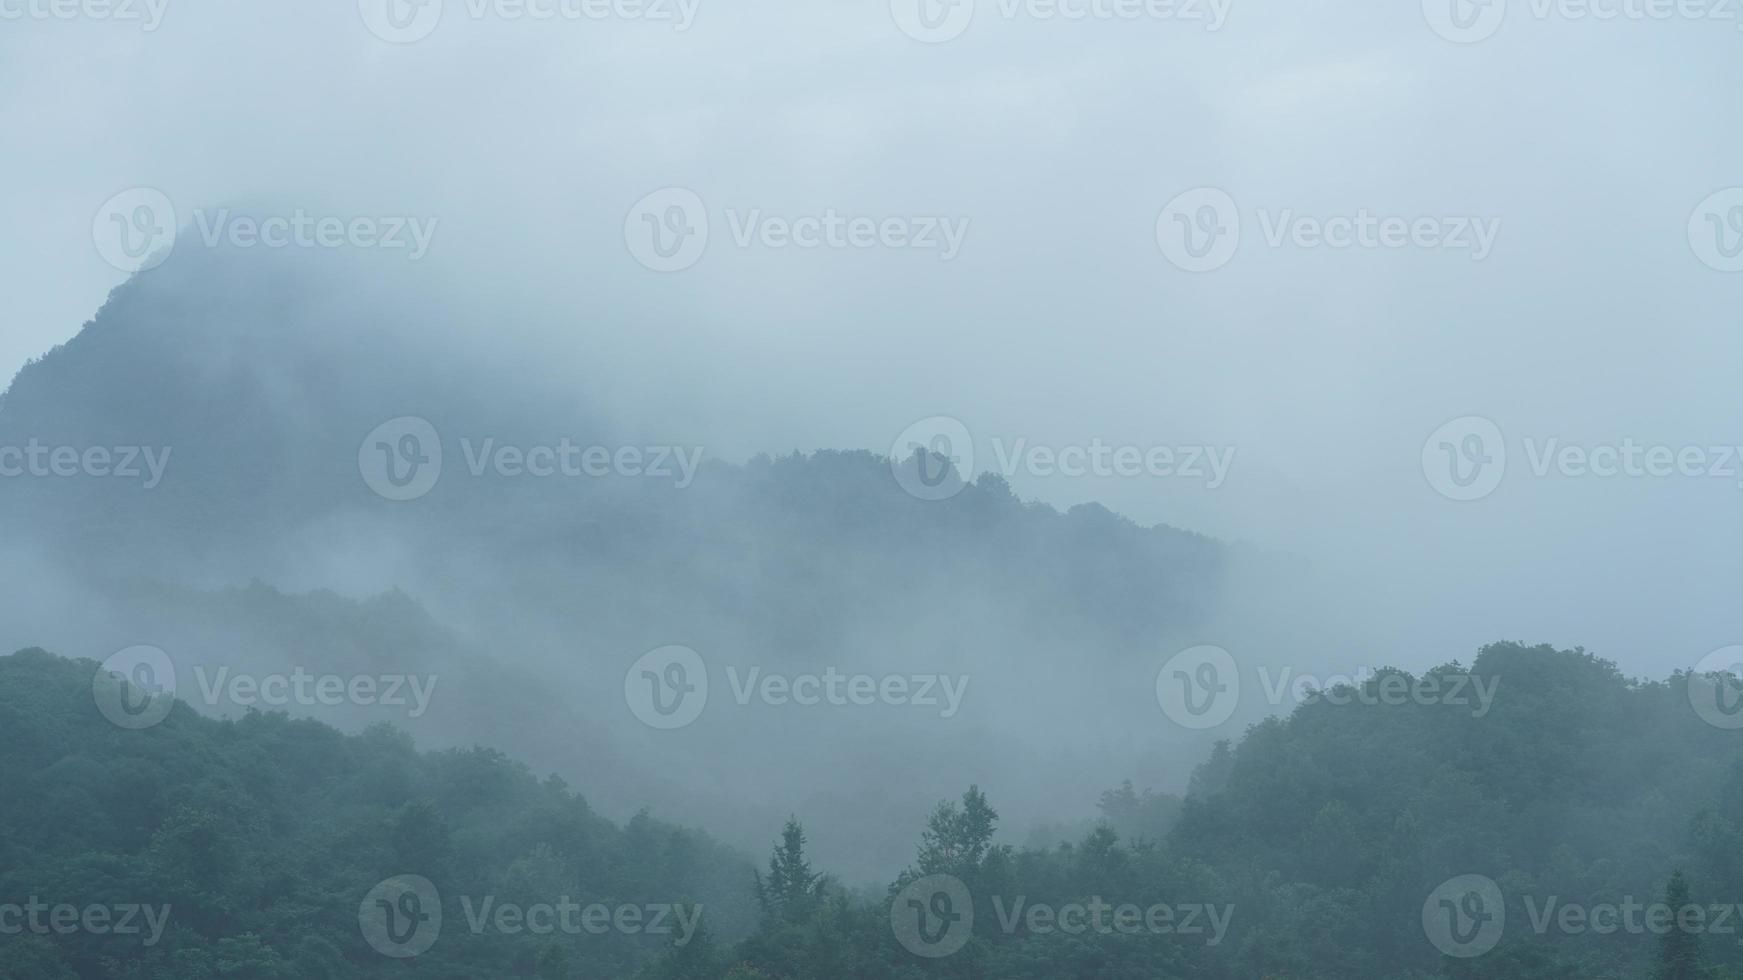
(258,377)
(1306,850)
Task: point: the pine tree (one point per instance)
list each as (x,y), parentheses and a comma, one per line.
(1679,950)
(1213,774)
(792,891)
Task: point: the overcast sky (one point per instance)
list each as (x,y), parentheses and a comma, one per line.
(1539,196)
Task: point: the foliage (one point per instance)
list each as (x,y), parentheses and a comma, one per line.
(1323,833)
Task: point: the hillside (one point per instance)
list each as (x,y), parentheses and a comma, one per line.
(1307,851)
(264,835)
(254,379)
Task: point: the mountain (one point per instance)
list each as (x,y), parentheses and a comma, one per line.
(258,382)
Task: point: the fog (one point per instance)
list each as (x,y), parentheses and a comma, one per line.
(1594,316)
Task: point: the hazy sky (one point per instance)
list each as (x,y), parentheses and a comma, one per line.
(1540,247)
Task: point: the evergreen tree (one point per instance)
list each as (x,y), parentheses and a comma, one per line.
(792,891)
(1213,774)
(1679,950)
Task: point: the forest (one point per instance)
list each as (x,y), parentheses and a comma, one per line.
(1604,816)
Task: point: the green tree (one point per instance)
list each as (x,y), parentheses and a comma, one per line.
(792,891)
(1679,950)
(553,963)
(957,838)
